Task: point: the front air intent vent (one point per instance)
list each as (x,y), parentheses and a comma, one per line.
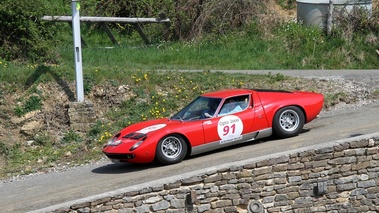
(135,135)
(120,156)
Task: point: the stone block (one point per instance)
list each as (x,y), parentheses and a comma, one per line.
(244,173)
(280,167)
(278,160)
(213,178)
(366,184)
(203,208)
(347,186)
(359,144)
(30,128)
(221,203)
(296,166)
(262,170)
(162,205)
(192,180)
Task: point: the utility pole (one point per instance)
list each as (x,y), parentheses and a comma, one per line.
(75,6)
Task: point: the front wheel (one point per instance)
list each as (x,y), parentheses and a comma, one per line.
(288,122)
(171,149)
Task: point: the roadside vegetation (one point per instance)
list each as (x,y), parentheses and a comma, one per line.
(135,82)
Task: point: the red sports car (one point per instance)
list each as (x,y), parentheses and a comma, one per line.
(215,120)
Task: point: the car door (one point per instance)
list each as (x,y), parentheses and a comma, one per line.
(232,127)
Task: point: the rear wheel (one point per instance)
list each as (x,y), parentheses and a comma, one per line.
(288,122)
(171,149)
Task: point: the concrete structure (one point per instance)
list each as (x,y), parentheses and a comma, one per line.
(316,12)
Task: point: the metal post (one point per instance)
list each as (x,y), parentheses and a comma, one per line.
(77,51)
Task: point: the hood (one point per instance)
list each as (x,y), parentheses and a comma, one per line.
(146,127)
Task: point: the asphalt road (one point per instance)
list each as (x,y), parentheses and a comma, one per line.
(45,190)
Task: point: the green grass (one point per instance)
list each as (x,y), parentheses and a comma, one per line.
(294,47)
(289,46)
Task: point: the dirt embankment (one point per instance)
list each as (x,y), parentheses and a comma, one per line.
(53,116)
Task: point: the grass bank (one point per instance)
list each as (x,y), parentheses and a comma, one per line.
(291,47)
(127,86)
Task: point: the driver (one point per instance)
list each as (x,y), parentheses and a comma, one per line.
(212,106)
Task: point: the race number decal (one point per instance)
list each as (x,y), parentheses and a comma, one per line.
(229,128)
(151,128)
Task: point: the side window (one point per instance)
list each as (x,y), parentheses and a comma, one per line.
(244,101)
(234,104)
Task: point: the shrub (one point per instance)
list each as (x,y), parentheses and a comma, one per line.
(190,18)
(71,136)
(32,103)
(10,152)
(287,4)
(357,22)
(44,139)
(4,149)
(23,35)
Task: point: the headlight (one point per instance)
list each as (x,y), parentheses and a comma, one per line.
(113,142)
(136,145)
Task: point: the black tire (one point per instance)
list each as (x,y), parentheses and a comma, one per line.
(171,149)
(288,122)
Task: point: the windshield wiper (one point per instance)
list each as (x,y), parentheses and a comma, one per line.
(177,116)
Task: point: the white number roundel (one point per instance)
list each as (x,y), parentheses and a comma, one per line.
(151,128)
(229,128)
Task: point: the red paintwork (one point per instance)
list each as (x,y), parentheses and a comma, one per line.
(258,116)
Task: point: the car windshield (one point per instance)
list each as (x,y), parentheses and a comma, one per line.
(200,108)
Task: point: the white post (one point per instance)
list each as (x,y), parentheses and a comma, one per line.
(77,51)
(329,24)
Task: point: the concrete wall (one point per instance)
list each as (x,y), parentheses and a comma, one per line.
(341,176)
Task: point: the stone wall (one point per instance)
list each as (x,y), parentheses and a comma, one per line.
(82,115)
(337,177)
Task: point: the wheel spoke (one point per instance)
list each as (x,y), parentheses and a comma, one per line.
(171,147)
(289,120)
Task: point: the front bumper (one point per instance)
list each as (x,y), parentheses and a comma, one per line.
(137,156)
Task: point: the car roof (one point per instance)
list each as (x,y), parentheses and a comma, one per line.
(227,93)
